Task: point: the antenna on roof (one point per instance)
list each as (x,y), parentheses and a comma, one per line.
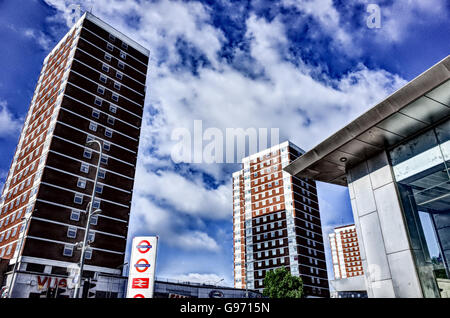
(92,5)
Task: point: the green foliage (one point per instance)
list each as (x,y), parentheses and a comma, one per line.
(440,273)
(279,283)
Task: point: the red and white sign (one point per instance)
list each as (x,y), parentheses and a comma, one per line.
(140,283)
(142,265)
(144,246)
(141,278)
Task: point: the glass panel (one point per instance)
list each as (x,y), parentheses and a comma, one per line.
(421,169)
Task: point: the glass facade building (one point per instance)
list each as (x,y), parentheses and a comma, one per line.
(395,160)
(421,171)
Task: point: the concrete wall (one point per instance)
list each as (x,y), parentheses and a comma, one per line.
(386,253)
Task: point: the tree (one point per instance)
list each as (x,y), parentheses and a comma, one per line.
(279,283)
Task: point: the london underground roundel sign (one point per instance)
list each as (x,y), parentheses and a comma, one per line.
(142,265)
(144,246)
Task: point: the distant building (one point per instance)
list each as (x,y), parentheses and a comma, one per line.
(276,222)
(345,252)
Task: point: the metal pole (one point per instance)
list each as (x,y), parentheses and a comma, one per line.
(14,276)
(246,284)
(88,222)
(156,256)
(56,291)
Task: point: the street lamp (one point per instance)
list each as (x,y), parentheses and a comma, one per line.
(246,276)
(83,245)
(27,219)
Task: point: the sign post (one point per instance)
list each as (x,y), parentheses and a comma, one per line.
(141,278)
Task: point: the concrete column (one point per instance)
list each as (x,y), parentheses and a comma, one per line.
(386,253)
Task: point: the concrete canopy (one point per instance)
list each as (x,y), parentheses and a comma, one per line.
(416,106)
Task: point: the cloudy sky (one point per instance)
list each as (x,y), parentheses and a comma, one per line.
(305,67)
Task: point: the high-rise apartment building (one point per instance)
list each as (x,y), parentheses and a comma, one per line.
(276,222)
(345,252)
(92,86)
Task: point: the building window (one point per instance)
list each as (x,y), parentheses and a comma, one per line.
(87,153)
(121,65)
(104,160)
(107,57)
(101,174)
(78,199)
(19,214)
(111,120)
(88,253)
(81,183)
(123,55)
(125,46)
(98,101)
(119,75)
(68,250)
(94,220)
(113,109)
(93,126)
(112,38)
(91,237)
(103,78)
(115,97)
(72,232)
(105,68)
(96,204)
(108,133)
(95,114)
(99,189)
(117,86)
(106,146)
(109,46)
(101,90)
(75,215)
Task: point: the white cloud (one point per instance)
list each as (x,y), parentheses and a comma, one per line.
(9,125)
(149,218)
(40,37)
(288,97)
(44,41)
(324,12)
(188,196)
(197,240)
(398,18)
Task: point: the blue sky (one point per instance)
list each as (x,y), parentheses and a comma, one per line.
(306,67)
